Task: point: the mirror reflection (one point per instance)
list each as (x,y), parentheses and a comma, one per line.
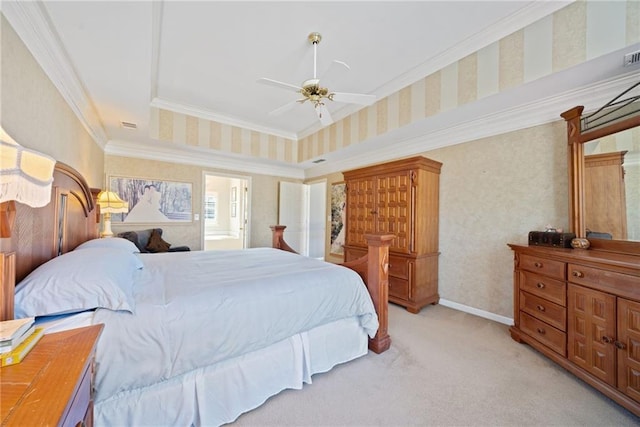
(612,186)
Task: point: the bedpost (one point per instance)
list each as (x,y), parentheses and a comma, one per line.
(374,270)
(277,239)
(378,285)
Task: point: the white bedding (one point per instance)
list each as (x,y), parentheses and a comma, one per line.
(198,313)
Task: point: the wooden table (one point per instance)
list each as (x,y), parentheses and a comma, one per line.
(53,385)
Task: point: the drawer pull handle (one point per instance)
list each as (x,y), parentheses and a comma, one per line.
(538,264)
(541,331)
(540,307)
(540,285)
(605,339)
(578,273)
(619,345)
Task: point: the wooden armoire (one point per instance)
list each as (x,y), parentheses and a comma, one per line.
(400,198)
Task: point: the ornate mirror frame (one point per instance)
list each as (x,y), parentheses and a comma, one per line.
(615,116)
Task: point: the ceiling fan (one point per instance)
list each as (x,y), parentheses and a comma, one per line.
(316,94)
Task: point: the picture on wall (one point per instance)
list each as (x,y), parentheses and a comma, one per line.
(152,201)
(338,216)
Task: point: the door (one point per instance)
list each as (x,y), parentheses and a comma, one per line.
(302,208)
(225,212)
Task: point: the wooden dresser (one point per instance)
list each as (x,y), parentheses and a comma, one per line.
(399,198)
(581,308)
(53,385)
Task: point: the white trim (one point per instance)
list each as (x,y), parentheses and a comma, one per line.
(477,312)
(201,157)
(395,144)
(31,23)
(227,120)
(541,111)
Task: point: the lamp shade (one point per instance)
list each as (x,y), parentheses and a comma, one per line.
(25,175)
(110,203)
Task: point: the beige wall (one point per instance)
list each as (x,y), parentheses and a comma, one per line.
(34,113)
(264,198)
(493,191)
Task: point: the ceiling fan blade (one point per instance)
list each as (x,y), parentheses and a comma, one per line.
(333,71)
(353,98)
(323,114)
(286,107)
(282,85)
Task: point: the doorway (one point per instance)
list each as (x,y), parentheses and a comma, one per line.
(225,210)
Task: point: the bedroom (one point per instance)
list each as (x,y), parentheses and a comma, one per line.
(495,183)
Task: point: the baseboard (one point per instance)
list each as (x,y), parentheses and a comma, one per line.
(477,312)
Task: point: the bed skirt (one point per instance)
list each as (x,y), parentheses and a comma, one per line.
(220,393)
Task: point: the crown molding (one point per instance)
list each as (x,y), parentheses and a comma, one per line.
(539,112)
(397,144)
(227,120)
(31,23)
(183,154)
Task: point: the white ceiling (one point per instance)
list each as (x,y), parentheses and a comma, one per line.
(204,57)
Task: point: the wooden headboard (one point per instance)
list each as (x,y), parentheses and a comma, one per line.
(70,218)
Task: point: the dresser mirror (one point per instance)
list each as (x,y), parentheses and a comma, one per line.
(612,186)
(604,173)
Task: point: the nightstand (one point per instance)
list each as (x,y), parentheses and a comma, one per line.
(53,385)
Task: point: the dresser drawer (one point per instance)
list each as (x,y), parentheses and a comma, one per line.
(550,289)
(620,284)
(399,288)
(399,267)
(547,267)
(81,401)
(548,335)
(551,313)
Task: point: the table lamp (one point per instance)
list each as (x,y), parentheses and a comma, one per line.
(109,203)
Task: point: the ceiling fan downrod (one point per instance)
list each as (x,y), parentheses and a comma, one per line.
(314,38)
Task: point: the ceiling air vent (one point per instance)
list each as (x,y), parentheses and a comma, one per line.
(632,58)
(128,125)
(319,161)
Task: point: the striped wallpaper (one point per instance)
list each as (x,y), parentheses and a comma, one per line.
(572,35)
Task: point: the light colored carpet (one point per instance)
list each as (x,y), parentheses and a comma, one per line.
(444,368)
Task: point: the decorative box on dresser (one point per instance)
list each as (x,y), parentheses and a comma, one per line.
(581,308)
(399,198)
(54,383)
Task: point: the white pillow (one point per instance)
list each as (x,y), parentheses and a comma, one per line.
(110,242)
(78,281)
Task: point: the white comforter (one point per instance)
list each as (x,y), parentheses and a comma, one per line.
(194,309)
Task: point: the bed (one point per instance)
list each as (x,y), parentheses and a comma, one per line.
(193,338)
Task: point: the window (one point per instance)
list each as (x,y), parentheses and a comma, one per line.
(210,207)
